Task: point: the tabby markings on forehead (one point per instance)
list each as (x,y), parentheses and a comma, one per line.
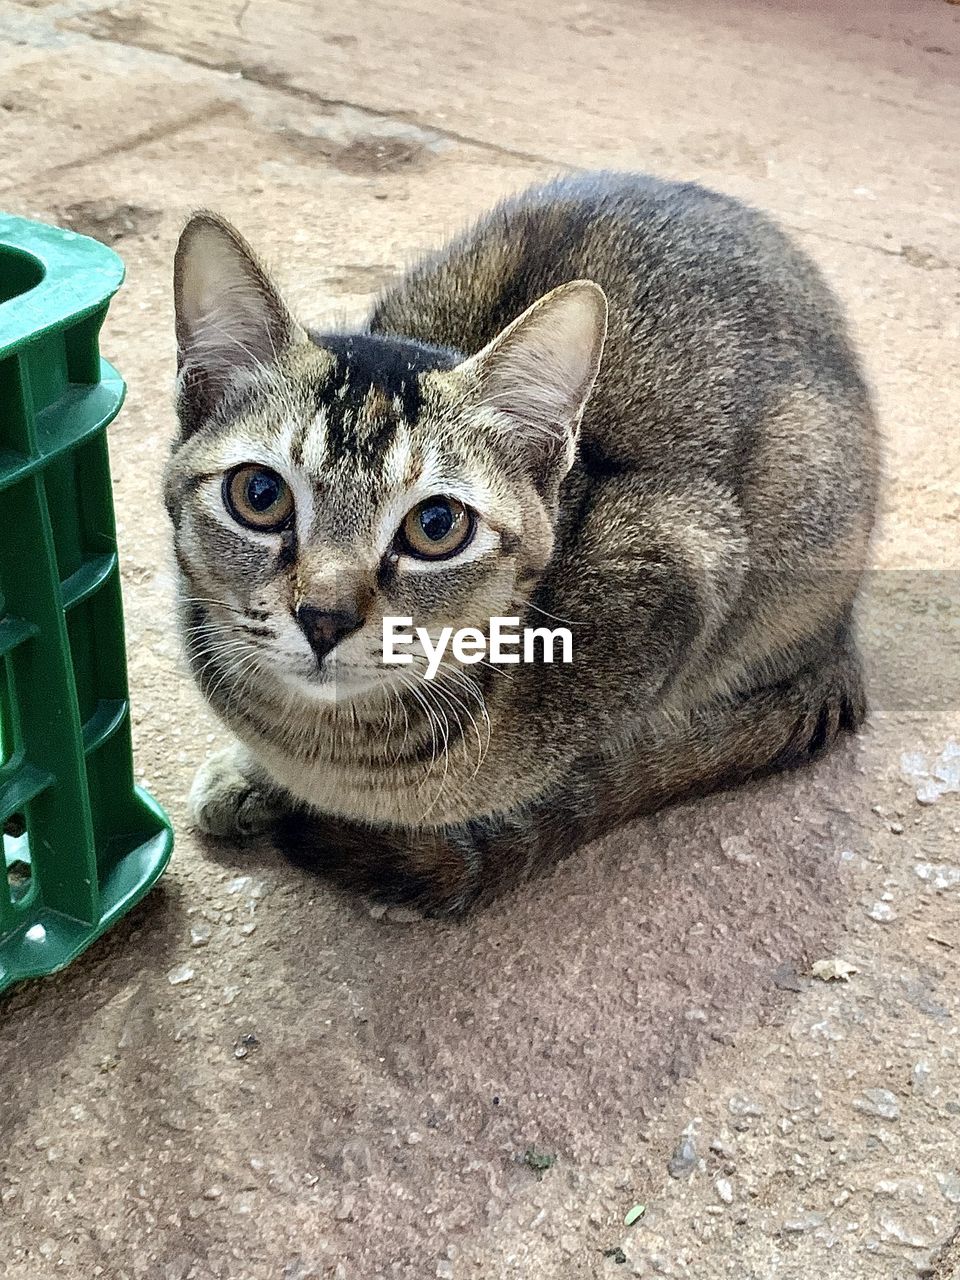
(313,444)
(400,467)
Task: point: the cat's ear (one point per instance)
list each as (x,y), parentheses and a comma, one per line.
(535,377)
(231,321)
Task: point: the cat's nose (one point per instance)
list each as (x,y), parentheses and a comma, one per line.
(325,628)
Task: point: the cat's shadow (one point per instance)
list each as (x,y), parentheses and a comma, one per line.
(431,1055)
(593,988)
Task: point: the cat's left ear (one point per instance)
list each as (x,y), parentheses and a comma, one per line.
(535,377)
(231,321)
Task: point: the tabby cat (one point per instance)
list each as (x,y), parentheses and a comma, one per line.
(619,404)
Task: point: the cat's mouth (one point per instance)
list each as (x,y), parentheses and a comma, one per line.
(333,681)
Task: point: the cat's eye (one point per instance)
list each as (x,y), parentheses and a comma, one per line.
(258,498)
(436,529)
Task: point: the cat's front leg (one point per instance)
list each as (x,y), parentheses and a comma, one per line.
(443,871)
(433,872)
(232,798)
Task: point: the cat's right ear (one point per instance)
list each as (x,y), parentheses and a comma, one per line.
(231,321)
(533,380)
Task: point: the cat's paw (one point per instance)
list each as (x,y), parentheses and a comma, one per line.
(226,802)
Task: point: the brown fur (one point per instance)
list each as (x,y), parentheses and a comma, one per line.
(704,542)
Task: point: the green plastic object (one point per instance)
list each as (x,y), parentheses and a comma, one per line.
(81,842)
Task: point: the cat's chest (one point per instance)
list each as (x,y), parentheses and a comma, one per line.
(366,777)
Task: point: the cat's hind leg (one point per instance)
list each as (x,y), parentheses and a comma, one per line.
(831,701)
(807,711)
(728,740)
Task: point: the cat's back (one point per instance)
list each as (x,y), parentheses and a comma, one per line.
(676,260)
(644,240)
(717,320)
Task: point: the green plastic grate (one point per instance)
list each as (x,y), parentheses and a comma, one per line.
(81,842)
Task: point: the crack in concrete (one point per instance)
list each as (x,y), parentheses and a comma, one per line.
(402,116)
(942,263)
(278,83)
(167,129)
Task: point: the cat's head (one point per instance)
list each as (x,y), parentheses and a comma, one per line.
(321,483)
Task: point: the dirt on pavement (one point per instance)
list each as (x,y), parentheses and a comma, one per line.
(251,1079)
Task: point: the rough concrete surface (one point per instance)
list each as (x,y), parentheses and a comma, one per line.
(249,1078)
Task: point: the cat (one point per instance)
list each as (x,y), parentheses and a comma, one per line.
(618,404)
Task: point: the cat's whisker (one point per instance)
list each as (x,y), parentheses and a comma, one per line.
(219,653)
(431,721)
(406,724)
(216,645)
(227,673)
(448,671)
(248,673)
(213,625)
(530,605)
(431,724)
(439,693)
(446,693)
(497,670)
(482,662)
(196,642)
(444,725)
(220,604)
(221,647)
(469,686)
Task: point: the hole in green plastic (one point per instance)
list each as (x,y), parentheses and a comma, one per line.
(16,857)
(19,272)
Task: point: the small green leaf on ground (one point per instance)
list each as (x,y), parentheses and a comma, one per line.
(634,1214)
(538,1161)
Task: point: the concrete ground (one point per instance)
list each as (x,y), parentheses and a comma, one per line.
(251,1079)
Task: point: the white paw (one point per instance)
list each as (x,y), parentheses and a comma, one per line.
(224,801)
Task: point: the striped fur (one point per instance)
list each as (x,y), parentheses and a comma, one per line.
(699,517)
